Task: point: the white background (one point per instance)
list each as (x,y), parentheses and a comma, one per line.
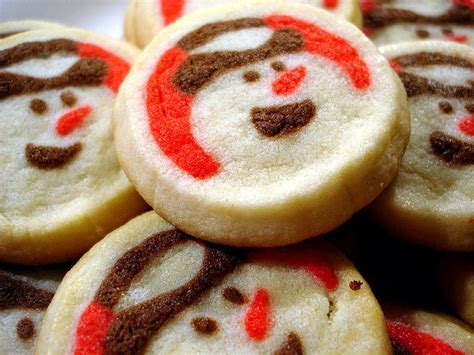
(103,16)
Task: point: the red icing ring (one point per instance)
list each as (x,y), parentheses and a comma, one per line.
(467,3)
(171,10)
(417,342)
(257,319)
(367,5)
(331,4)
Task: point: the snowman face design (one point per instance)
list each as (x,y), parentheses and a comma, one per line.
(276,75)
(391,21)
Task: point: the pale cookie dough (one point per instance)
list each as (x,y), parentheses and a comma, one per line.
(11,28)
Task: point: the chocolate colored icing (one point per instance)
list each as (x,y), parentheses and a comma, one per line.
(46,158)
(233,295)
(16,293)
(292,346)
(204,325)
(25,329)
(451,150)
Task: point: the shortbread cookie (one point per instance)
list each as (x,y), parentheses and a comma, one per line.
(261,124)
(394,21)
(149,288)
(151,16)
(413,331)
(25,293)
(62,187)
(457,279)
(12,28)
(431,200)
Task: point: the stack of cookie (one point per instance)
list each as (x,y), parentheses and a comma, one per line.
(255,131)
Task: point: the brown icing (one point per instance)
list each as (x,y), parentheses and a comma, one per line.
(86,72)
(447,31)
(25,329)
(355,285)
(16,293)
(204,325)
(251,76)
(199,69)
(398,349)
(46,157)
(381,17)
(282,120)
(207,33)
(278,66)
(38,106)
(68,98)
(422,33)
(132,328)
(431,58)
(451,150)
(469,107)
(445,107)
(8,34)
(25,51)
(292,346)
(234,296)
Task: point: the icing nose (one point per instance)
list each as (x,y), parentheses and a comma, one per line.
(466,125)
(72,120)
(457,38)
(289,81)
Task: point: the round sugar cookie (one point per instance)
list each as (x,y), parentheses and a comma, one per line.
(25,293)
(457,280)
(260,124)
(150,288)
(11,28)
(62,186)
(431,200)
(414,331)
(151,16)
(394,21)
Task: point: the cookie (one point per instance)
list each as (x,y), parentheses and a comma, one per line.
(25,293)
(11,28)
(159,290)
(393,21)
(457,279)
(431,200)
(413,331)
(62,187)
(260,124)
(151,16)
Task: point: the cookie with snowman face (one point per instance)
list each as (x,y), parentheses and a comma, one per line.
(393,21)
(430,201)
(260,124)
(62,187)
(415,331)
(25,293)
(146,18)
(160,291)
(11,28)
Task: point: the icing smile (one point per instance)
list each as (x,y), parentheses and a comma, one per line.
(47,157)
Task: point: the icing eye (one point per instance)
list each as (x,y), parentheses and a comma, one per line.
(38,106)
(445,107)
(469,107)
(447,31)
(232,295)
(25,329)
(203,325)
(422,33)
(251,76)
(68,98)
(278,66)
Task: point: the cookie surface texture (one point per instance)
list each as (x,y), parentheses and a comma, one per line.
(151,16)
(394,21)
(260,125)
(62,187)
(431,200)
(159,291)
(414,331)
(25,293)
(11,28)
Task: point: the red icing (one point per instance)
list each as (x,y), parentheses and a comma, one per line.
(467,126)
(368,31)
(309,259)
(471,220)
(72,120)
(417,342)
(393,63)
(457,38)
(367,5)
(331,4)
(117,67)
(257,319)
(289,81)
(92,330)
(468,3)
(169,113)
(171,10)
(325,44)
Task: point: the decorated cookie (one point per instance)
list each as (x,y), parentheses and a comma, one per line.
(457,279)
(146,18)
(160,291)
(260,125)
(12,28)
(62,187)
(394,21)
(431,200)
(25,293)
(413,331)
